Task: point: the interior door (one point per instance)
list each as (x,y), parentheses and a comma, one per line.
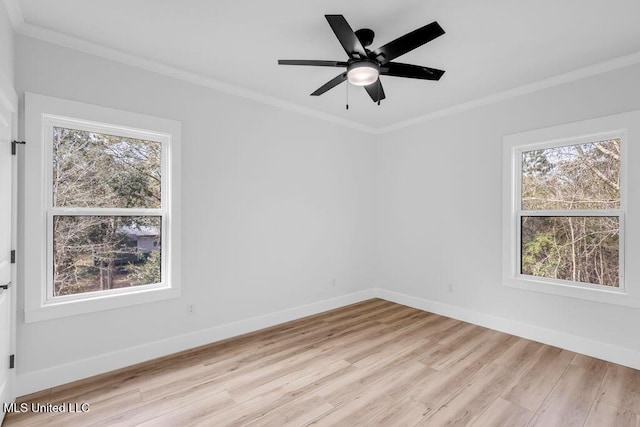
(6,175)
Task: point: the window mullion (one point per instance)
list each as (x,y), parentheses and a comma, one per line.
(106,211)
(576,213)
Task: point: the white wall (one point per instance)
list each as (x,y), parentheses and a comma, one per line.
(275,205)
(440,209)
(6,46)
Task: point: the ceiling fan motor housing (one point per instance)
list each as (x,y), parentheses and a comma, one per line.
(365,35)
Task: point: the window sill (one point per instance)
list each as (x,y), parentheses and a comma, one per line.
(57,309)
(601,295)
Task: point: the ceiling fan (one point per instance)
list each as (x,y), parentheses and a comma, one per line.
(364,66)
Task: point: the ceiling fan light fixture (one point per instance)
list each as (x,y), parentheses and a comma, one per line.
(363,73)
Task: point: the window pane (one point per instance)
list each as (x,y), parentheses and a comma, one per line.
(104,171)
(583,176)
(94,253)
(580,249)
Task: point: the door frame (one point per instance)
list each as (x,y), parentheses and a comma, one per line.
(14,245)
(9,102)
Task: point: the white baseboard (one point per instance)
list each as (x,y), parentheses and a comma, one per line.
(609,352)
(40,380)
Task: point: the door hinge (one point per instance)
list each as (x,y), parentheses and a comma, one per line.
(13,256)
(13,146)
(12,361)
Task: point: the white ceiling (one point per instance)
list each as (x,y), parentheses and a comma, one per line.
(489,46)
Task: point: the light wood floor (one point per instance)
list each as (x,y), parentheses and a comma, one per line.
(373,363)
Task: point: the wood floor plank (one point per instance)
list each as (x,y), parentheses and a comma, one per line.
(396,392)
(187,414)
(503,413)
(377,311)
(362,399)
(391,338)
(520,354)
(296,413)
(621,388)
(370,363)
(531,388)
(404,315)
(285,383)
(371,375)
(467,330)
(456,376)
(473,398)
(602,414)
(448,352)
(156,409)
(571,398)
(263,404)
(408,412)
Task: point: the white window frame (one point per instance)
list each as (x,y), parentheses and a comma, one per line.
(625,127)
(42,114)
(519,212)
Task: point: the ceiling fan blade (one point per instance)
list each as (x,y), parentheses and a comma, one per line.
(346,36)
(408,42)
(410,71)
(330,84)
(375,91)
(312,62)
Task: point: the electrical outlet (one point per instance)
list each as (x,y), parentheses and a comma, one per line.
(334,281)
(191,309)
(449,287)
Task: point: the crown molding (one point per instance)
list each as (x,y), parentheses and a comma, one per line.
(74,43)
(589,71)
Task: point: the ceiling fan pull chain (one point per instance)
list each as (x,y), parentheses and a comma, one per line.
(379,87)
(347,85)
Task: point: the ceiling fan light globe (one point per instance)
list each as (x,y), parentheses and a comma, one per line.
(363,73)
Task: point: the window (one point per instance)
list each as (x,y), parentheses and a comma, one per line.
(105,225)
(105,205)
(565,200)
(569,217)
